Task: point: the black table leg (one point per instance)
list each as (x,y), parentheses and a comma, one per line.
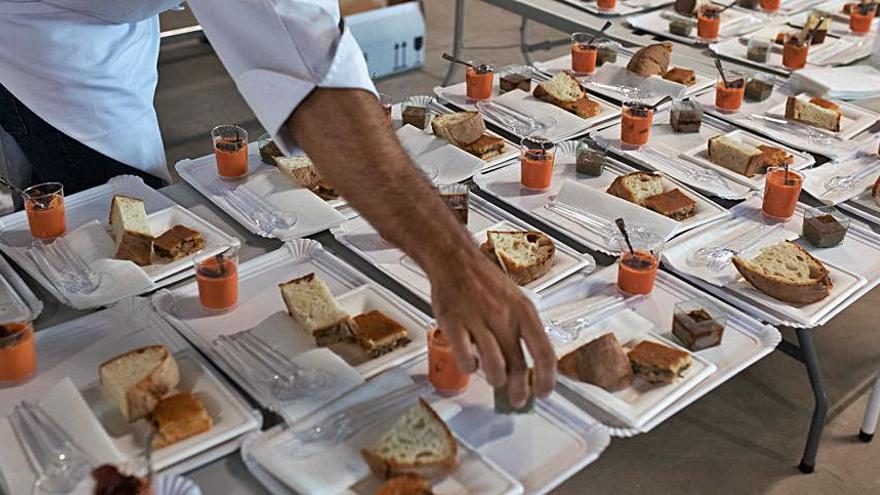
(808,355)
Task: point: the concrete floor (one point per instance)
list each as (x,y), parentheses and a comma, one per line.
(745,437)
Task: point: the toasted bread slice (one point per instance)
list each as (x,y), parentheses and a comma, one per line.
(564,91)
(419,443)
(673,204)
(179,417)
(601,361)
(636,187)
(657,363)
(681,76)
(459,128)
(137,380)
(652,60)
(177,242)
(378,334)
(485,148)
(787,272)
(311,304)
(524,256)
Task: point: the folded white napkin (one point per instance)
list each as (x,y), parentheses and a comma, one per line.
(345,377)
(847,83)
(66,406)
(118,278)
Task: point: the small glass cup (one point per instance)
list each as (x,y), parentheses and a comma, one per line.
(770,5)
(637,269)
(606,5)
(217,278)
(795,52)
(590,157)
(479,84)
(606,51)
(698,323)
(231,151)
(759,86)
(781,191)
(44,204)
(709,23)
(583,53)
(456,198)
(825,226)
(419,109)
(759,50)
(686,116)
(636,121)
(386,102)
(861,18)
(537,156)
(18,353)
(443,370)
(729,95)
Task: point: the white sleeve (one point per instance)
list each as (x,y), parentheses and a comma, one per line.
(278,51)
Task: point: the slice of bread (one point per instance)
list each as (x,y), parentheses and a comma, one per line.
(673,204)
(131,229)
(681,76)
(787,272)
(311,304)
(459,128)
(177,242)
(564,91)
(300,170)
(812,114)
(636,187)
(601,362)
(419,443)
(485,148)
(657,363)
(405,484)
(524,256)
(735,155)
(775,157)
(652,60)
(137,380)
(179,417)
(378,334)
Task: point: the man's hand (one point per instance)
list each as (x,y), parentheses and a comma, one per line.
(346,135)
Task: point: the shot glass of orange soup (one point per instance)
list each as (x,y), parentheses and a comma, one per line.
(537,155)
(217,278)
(861,17)
(770,5)
(44,205)
(795,51)
(636,121)
(606,5)
(231,151)
(781,191)
(709,23)
(18,353)
(583,53)
(479,82)
(443,370)
(729,94)
(637,269)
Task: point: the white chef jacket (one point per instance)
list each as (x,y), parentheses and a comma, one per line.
(88,67)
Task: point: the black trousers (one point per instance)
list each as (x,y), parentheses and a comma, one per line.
(55,156)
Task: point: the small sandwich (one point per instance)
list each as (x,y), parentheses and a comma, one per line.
(775,157)
(735,155)
(815,112)
(673,204)
(657,363)
(177,242)
(378,334)
(681,76)
(419,443)
(137,380)
(311,304)
(564,91)
(636,187)
(524,256)
(486,147)
(131,230)
(601,362)
(179,417)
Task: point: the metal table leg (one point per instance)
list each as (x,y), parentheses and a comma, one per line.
(457,34)
(869,423)
(808,354)
(524,41)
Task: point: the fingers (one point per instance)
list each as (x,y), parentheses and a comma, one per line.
(543,355)
(491,358)
(517,373)
(459,340)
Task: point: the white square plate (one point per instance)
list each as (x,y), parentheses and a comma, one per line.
(734,22)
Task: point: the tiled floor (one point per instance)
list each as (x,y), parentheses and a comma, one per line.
(745,437)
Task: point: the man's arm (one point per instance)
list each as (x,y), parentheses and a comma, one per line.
(346,135)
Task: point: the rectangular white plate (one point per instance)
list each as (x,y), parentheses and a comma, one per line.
(504,185)
(651,89)
(816,180)
(855,121)
(745,339)
(864,206)
(850,272)
(76,349)
(621,8)
(700,155)
(312,213)
(640,402)
(360,236)
(734,22)
(566,124)
(437,158)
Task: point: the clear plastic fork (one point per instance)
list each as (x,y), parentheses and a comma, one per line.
(64,267)
(798,129)
(514,120)
(841,182)
(251,206)
(717,258)
(701,176)
(59,463)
